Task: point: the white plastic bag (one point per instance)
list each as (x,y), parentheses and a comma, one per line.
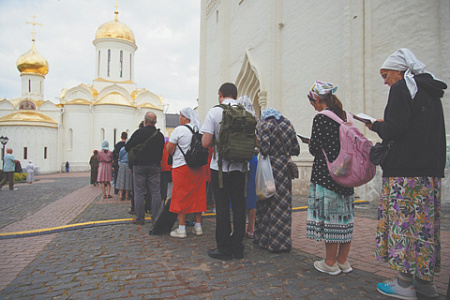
(265,184)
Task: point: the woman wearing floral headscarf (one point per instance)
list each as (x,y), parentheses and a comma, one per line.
(330,205)
(189,185)
(408,231)
(273,215)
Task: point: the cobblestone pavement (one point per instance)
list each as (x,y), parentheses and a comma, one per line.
(123,261)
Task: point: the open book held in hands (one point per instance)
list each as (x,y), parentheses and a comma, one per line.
(304,139)
(364,118)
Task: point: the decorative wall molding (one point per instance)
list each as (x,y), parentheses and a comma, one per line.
(211,5)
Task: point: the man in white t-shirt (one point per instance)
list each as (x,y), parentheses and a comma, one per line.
(229,243)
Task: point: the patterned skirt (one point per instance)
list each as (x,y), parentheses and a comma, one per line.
(329,216)
(408,230)
(124,178)
(274,215)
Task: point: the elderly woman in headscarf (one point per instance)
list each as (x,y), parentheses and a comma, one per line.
(250,200)
(330,205)
(408,231)
(189,184)
(104,176)
(273,215)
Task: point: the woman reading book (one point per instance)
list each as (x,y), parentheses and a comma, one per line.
(408,228)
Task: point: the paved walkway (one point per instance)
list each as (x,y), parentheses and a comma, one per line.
(122,260)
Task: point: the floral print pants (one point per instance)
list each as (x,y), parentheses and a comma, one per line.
(408,230)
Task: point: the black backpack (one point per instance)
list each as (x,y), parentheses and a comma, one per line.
(196,156)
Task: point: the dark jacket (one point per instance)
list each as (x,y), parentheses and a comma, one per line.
(152,154)
(417,129)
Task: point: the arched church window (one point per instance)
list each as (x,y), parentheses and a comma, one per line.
(115,134)
(109,61)
(70,139)
(29,86)
(131,66)
(121,63)
(102,134)
(98,64)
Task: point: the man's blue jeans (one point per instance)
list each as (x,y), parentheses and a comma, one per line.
(146,176)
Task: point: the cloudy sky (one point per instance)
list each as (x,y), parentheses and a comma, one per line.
(167,34)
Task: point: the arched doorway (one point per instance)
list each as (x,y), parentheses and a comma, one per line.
(250,83)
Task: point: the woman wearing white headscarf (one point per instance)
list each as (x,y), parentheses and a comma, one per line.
(30,172)
(104,176)
(189,185)
(408,231)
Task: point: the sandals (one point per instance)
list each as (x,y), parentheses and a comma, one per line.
(104,196)
(249,235)
(109,196)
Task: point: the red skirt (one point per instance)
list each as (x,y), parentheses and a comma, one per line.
(188,191)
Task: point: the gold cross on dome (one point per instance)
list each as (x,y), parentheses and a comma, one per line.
(34,23)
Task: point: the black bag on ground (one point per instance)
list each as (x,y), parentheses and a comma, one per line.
(196,156)
(164,220)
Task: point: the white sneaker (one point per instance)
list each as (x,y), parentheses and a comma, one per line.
(345,267)
(321,266)
(178,233)
(197,230)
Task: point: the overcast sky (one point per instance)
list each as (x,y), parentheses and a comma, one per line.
(167,34)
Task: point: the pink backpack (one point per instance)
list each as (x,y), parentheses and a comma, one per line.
(352,167)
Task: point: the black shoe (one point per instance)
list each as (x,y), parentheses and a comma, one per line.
(217,254)
(238,255)
(131,212)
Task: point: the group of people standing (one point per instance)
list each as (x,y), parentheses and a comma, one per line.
(407,235)
(408,230)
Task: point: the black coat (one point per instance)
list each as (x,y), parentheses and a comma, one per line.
(152,154)
(417,128)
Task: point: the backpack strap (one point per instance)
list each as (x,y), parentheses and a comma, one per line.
(220,159)
(335,117)
(179,145)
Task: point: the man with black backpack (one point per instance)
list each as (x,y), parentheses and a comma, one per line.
(228,177)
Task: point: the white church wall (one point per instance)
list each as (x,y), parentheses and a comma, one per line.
(77,136)
(38,141)
(110,118)
(6,108)
(293,43)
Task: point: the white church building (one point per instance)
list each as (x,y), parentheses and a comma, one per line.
(274,51)
(51,134)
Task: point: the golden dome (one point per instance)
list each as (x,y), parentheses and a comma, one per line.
(25,117)
(114,99)
(32,62)
(116,30)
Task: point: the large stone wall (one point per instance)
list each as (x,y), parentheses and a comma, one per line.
(292,43)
